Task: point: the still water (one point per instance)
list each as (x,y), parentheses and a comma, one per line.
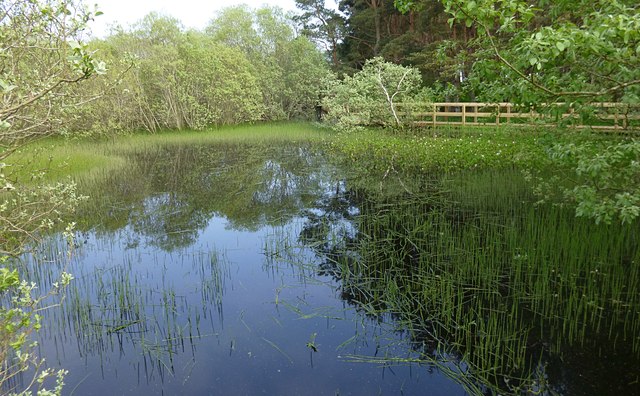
(245,270)
(191,278)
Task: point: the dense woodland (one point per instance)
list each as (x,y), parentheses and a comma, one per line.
(492,50)
(264,65)
(247,65)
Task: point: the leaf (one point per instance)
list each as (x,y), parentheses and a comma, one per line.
(560,46)
(75,45)
(6,87)
(8,279)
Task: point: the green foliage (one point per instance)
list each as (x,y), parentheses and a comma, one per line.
(25,213)
(575,53)
(581,52)
(370,97)
(42,58)
(380,152)
(246,66)
(411,38)
(205,96)
(17,322)
(289,69)
(304,74)
(601,178)
(8,279)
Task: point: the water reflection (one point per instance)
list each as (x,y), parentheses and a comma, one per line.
(196,274)
(170,193)
(234,269)
(468,287)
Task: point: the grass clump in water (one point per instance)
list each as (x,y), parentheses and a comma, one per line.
(441,151)
(504,287)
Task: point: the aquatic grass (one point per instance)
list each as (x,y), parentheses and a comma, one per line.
(277,348)
(498,281)
(114,307)
(383,151)
(87,157)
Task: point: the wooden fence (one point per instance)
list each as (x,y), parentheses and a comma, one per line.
(605,116)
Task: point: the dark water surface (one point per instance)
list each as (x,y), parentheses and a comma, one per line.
(190,280)
(231,270)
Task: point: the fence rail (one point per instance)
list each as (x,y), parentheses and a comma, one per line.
(605,116)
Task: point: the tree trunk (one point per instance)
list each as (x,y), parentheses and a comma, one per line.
(375,6)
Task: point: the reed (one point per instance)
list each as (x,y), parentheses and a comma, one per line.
(127,304)
(495,280)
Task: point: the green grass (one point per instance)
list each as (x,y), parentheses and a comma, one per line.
(440,150)
(57,158)
(453,149)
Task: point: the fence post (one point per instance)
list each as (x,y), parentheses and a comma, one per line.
(433,118)
(464,114)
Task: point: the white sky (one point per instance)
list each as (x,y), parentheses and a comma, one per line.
(192,13)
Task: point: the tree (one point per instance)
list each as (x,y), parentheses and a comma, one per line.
(370,97)
(322,25)
(171,78)
(42,58)
(217,85)
(260,35)
(235,27)
(575,53)
(266,36)
(304,76)
(42,55)
(563,51)
(420,37)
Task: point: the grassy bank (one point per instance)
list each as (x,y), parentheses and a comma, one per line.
(421,151)
(57,157)
(454,149)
